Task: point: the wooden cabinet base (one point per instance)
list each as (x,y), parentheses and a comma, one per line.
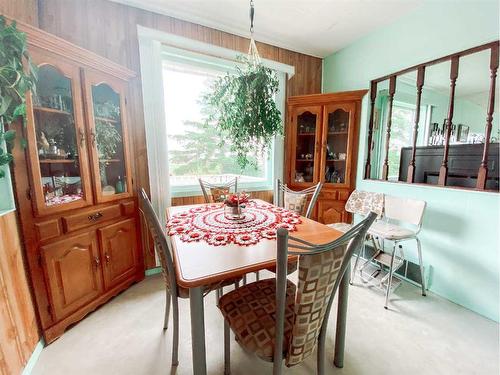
(54,332)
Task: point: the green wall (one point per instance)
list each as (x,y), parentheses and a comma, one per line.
(460,235)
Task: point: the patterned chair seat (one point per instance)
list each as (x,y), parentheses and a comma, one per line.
(250,312)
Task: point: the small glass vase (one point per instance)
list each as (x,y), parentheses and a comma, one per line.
(233,212)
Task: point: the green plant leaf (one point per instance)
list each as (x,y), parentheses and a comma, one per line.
(9,135)
(16,79)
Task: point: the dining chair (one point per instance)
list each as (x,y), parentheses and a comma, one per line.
(163,250)
(217,192)
(402,221)
(361,203)
(274,318)
(294,201)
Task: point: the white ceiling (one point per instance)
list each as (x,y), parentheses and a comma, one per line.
(313,27)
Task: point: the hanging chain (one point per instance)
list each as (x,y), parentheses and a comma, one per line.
(253,54)
(252,13)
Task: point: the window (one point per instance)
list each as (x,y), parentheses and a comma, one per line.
(194,148)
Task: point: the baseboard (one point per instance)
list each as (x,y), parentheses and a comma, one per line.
(152,271)
(33,358)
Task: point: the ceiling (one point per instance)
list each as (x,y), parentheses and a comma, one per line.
(313,27)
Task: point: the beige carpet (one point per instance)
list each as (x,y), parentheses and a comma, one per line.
(419,335)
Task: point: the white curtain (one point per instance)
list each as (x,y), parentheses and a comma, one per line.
(155,124)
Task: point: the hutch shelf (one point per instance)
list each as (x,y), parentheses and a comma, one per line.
(74,183)
(321,145)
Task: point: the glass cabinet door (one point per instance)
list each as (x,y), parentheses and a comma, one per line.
(56,138)
(306,131)
(108,134)
(337,132)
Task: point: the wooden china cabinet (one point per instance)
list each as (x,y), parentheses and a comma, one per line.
(74,183)
(322,134)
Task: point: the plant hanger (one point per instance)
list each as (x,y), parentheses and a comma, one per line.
(253,53)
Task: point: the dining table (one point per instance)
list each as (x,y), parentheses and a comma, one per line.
(199,263)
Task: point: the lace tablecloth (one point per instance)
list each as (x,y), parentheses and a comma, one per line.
(208,223)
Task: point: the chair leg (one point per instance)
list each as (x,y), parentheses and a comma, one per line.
(227,349)
(236,284)
(389,280)
(321,354)
(353,272)
(419,249)
(175,340)
(257,276)
(168,297)
(245,280)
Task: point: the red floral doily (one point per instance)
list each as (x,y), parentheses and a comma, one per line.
(208,223)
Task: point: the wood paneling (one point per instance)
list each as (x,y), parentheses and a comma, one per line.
(18,326)
(110,30)
(22,10)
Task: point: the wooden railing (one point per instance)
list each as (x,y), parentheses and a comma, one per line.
(420,69)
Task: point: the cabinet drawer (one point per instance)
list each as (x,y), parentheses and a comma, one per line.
(82,220)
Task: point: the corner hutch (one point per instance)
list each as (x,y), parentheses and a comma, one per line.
(322,146)
(74,183)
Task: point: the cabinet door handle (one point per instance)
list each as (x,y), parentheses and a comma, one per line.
(82,137)
(97,262)
(107,257)
(95,217)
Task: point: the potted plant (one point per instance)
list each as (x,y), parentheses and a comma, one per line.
(15,80)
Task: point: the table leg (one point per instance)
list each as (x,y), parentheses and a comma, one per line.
(338,360)
(198,331)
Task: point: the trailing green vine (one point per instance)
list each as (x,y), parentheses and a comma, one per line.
(242,107)
(15,81)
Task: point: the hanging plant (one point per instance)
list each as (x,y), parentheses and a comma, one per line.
(14,83)
(242,107)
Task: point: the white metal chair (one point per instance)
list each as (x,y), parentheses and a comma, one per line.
(402,221)
(361,203)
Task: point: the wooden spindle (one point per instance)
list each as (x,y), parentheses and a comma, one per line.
(443,171)
(373,97)
(420,83)
(392,90)
(482,175)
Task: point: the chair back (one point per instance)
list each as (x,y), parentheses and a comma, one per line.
(161,243)
(296,200)
(321,268)
(405,210)
(215,193)
(363,202)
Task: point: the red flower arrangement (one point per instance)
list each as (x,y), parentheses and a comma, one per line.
(233,200)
